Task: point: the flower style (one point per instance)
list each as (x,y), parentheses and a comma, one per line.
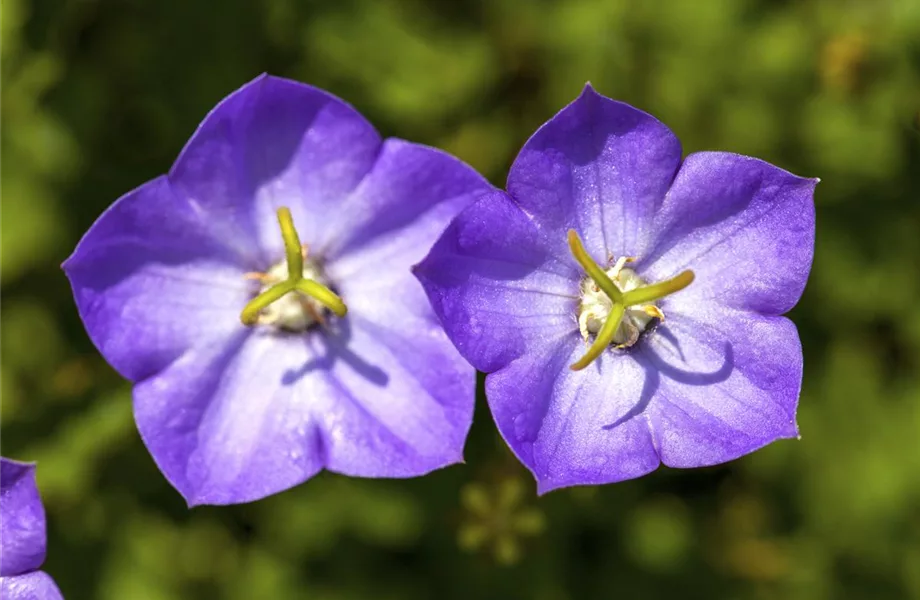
(260,298)
(626,303)
(22,536)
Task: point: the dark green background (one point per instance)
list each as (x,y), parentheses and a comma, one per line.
(99,95)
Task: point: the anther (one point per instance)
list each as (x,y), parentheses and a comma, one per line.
(653,311)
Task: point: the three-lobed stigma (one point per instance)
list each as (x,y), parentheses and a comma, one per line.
(616,305)
(293,302)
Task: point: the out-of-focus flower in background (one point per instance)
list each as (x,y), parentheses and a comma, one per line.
(497,519)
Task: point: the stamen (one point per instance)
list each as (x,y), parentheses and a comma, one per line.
(311,310)
(295,254)
(653,311)
(621,262)
(620,301)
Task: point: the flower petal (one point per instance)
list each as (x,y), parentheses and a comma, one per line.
(265,412)
(575,427)
(36,585)
(399,209)
(600,167)
(400,399)
(234,422)
(729,384)
(494,286)
(22,528)
(413,415)
(275,142)
(150,287)
(745,227)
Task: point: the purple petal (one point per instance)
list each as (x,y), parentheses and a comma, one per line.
(226,422)
(398,211)
(265,412)
(600,167)
(575,427)
(494,286)
(729,384)
(150,284)
(275,142)
(745,227)
(37,585)
(22,527)
(400,401)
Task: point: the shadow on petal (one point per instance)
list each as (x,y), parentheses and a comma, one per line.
(657,366)
(336,340)
(687,376)
(652,381)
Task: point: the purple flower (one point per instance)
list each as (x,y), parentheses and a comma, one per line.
(249,375)
(22,535)
(668,313)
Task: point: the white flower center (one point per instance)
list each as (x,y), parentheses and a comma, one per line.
(595,307)
(293,311)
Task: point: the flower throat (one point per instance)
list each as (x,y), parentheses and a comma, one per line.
(616,305)
(291,298)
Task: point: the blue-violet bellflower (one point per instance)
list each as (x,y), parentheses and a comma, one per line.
(260,298)
(625,302)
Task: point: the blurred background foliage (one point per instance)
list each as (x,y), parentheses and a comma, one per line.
(100,95)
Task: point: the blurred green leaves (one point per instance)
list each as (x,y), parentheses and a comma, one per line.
(37,151)
(402,61)
(659,533)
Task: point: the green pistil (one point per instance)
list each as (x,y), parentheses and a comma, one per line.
(620,301)
(295,282)
(292,248)
(593,270)
(657,291)
(604,337)
(251,311)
